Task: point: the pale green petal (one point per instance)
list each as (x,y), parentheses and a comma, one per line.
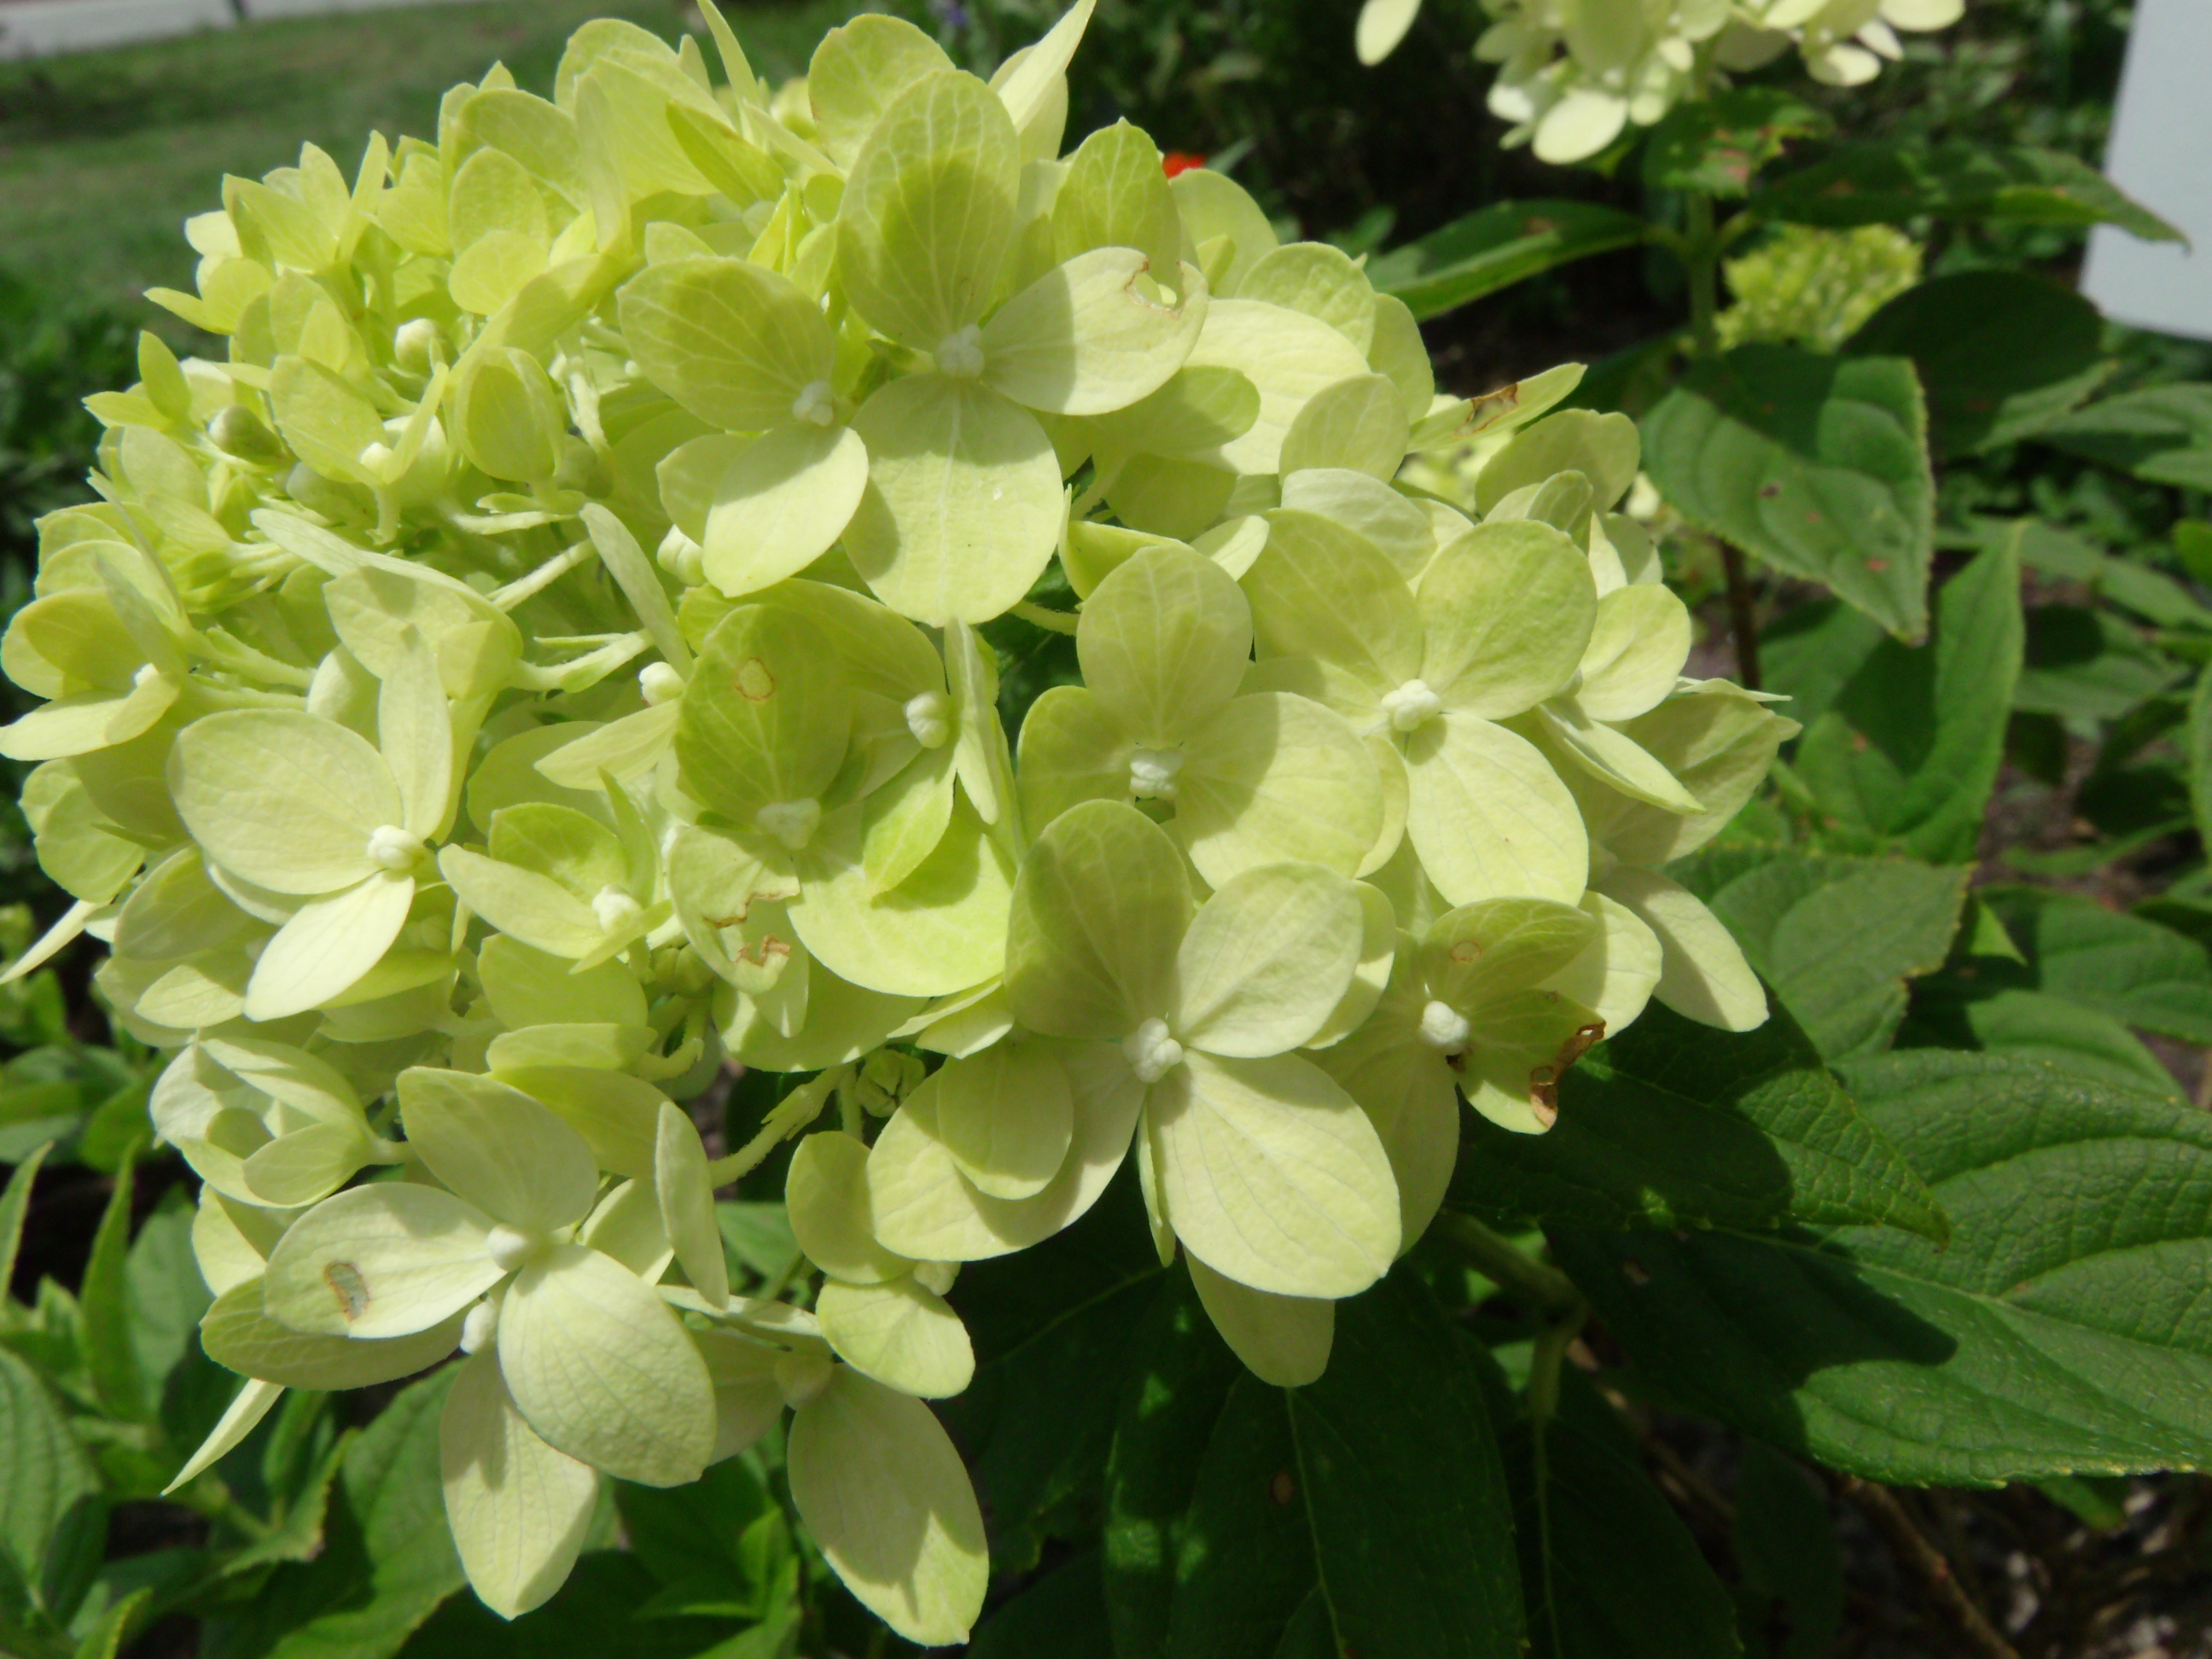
(842,1022)
(1494,948)
(1617,971)
(1267,960)
(1028,90)
(731,341)
(986,767)
(238,1336)
(858,71)
(1116,195)
(882,652)
(1488,816)
(527,986)
(327,946)
(1408,1092)
(1611,755)
(1399,351)
(928,211)
(882,1490)
(496,1147)
(1718,742)
(386,1260)
(1603,448)
(1318,281)
(246,1409)
(303,1166)
(1323,590)
(415,732)
(1705,976)
(767,715)
(372,606)
(619,1116)
(1007,1117)
(519,1509)
(1099,911)
(963,505)
(780,504)
(1275,777)
(826,1191)
(1635,653)
(904,822)
(1359,425)
(604,1369)
(940,930)
(1073,750)
(1286,354)
(529,907)
(1192,416)
(924,1206)
(286,800)
(902,1336)
(686,1191)
(1378,947)
(1391,764)
(1283,1340)
(1397,526)
(1169,498)
(1508,608)
(592,1044)
(1273,1176)
(1214,206)
(1524,1041)
(626,1225)
(747,1398)
(1163,641)
(1086,336)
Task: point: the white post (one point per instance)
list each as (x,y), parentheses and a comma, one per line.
(2161,154)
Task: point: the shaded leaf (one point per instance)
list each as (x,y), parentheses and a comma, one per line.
(1891,181)
(1505,243)
(1817,464)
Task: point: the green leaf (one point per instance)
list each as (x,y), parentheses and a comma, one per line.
(2085,663)
(1837,938)
(1609,1570)
(1891,181)
(1904,742)
(2133,969)
(2001,354)
(1982,1005)
(1718,144)
(1060,1616)
(166,1293)
(2161,434)
(2045,1339)
(110,1354)
(1505,243)
(45,1471)
(1178,1382)
(1785,1544)
(1315,1516)
(2197,747)
(1673,1124)
(1059,1331)
(14,1204)
(389,1559)
(1817,464)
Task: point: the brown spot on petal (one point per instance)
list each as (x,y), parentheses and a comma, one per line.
(1282,1488)
(1544,1080)
(350,1289)
(752,681)
(1465,951)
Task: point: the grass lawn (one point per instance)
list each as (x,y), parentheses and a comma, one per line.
(104,154)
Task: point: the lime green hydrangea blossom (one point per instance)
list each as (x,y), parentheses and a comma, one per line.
(542,660)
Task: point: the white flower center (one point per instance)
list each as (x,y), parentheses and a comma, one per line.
(961,355)
(1412,705)
(617,910)
(1153,773)
(815,405)
(791,822)
(510,1248)
(660,683)
(1153,1053)
(1444,1028)
(928,717)
(478,1328)
(393,847)
(412,343)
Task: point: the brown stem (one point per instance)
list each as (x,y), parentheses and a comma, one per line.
(1913,1550)
(1743,617)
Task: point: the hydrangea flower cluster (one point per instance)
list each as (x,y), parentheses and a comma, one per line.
(1572,74)
(448,837)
